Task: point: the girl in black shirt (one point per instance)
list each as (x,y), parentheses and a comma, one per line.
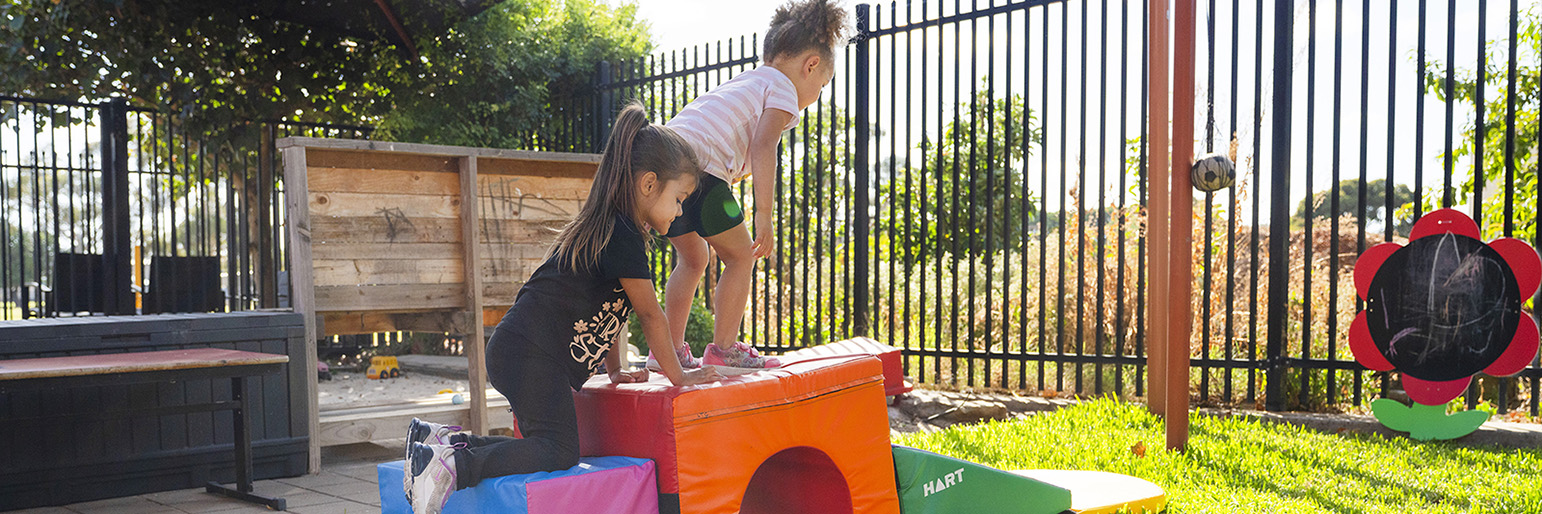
(567,317)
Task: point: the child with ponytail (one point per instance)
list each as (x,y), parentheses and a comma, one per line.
(734,129)
(568,317)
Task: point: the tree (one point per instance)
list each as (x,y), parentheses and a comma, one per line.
(1348,192)
(1494,128)
(215,64)
(971,180)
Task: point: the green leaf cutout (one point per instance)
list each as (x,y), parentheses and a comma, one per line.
(1426,422)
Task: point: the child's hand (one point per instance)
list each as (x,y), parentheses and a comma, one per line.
(701,375)
(765,235)
(628,377)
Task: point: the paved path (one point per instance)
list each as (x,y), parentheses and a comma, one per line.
(346,485)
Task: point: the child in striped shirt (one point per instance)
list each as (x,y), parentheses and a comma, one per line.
(734,129)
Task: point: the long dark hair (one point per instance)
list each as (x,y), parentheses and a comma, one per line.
(635,146)
(802,25)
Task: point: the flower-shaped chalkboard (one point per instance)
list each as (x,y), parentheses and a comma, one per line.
(1445,307)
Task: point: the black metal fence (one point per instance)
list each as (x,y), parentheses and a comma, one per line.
(970,186)
(107,208)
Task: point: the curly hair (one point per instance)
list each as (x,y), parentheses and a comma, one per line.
(802,25)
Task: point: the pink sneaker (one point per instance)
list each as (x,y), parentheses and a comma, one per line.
(739,355)
(687,361)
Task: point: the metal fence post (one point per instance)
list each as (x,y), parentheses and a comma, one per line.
(607,108)
(117,249)
(1279,208)
(859,218)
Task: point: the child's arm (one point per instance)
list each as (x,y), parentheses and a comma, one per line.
(762,159)
(645,303)
(617,370)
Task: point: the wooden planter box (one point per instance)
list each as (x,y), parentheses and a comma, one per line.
(52,453)
(381,238)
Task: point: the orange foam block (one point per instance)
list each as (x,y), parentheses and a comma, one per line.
(893,364)
(810,437)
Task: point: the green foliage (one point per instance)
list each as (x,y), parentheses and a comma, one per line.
(1348,191)
(1494,129)
(698,331)
(483,82)
(1236,464)
(973,179)
(206,60)
(503,75)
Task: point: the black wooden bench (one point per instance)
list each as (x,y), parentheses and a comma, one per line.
(161,366)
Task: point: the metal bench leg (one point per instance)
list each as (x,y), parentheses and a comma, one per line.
(243,443)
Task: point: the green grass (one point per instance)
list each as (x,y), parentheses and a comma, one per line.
(1236,465)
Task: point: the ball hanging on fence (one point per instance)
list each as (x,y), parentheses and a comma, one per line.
(1213,172)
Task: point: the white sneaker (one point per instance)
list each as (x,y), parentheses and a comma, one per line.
(687,361)
(419,431)
(433,477)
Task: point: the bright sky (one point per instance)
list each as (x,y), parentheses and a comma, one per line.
(679,24)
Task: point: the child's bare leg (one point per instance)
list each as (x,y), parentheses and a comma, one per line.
(680,290)
(733,287)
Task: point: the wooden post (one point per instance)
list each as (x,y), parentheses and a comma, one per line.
(1180,303)
(470,223)
(1156,220)
(297,205)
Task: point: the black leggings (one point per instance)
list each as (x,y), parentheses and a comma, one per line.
(542,400)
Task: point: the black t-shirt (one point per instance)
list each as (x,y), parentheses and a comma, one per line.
(575,317)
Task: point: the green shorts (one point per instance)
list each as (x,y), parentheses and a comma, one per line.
(709,211)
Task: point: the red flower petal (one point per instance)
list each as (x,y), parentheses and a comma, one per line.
(1521,350)
(1523,261)
(1445,221)
(1364,347)
(1425,392)
(1369,263)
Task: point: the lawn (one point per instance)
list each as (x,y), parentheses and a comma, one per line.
(1236,465)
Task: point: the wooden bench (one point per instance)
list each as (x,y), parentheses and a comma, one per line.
(161,366)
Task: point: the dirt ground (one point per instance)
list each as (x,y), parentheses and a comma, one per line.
(348,389)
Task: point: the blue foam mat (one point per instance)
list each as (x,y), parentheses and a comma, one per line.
(502,494)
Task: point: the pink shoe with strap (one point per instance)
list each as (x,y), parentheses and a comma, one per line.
(740,355)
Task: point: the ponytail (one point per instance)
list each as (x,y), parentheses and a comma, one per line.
(635,146)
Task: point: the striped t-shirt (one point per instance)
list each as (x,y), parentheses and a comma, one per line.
(719,124)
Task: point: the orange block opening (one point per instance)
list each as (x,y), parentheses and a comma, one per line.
(801,479)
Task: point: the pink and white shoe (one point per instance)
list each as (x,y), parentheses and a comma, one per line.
(739,355)
(687,361)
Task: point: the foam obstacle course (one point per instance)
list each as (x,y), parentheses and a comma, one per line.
(811,437)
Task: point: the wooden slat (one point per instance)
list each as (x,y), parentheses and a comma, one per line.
(302,283)
(515,186)
(492,314)
(380,229)
(508,270)
(407,182)
(365,424)
(529,208)
(380,160)
(542,233)
(513,251)
(337,144)
(388,271)
(369,322)
(396,206)
(334,251)
(132,362)
(476,365)
(539,168)
(500,293)
(390,297)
